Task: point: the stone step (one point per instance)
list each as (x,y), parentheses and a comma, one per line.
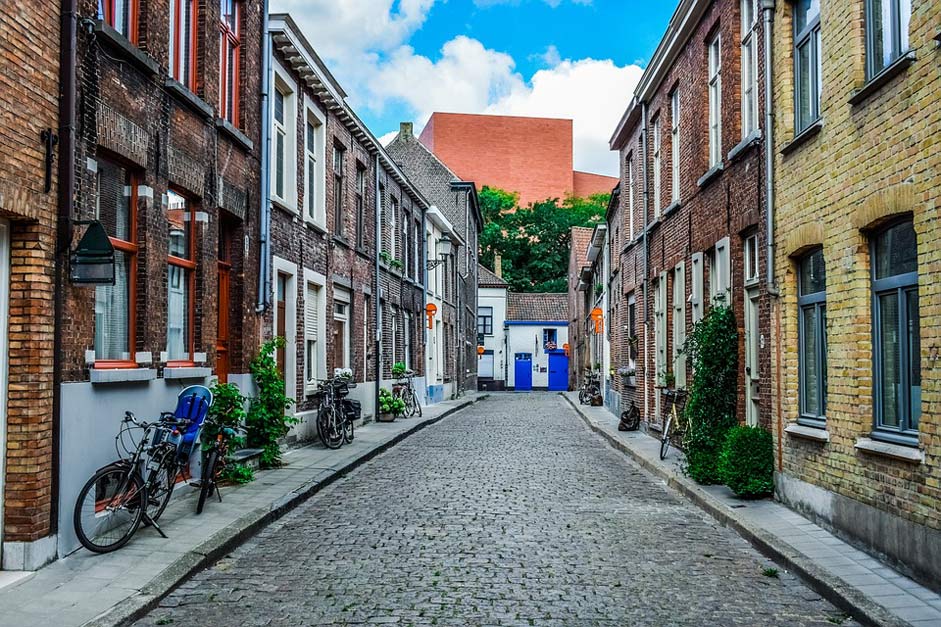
(250,457)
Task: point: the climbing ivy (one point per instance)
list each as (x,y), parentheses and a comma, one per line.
(713,348)
(267,421)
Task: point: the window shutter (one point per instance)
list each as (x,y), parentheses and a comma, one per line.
(310,312)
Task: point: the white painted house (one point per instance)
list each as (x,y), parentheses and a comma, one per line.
(491,330)
(536,334)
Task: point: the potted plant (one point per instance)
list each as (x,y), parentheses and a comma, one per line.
(628,374)
(399,370)
(390,407)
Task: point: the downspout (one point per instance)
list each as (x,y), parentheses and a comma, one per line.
(423,266)
(768,10)
(264,261)
(65,197)
(378,299)
(646,265)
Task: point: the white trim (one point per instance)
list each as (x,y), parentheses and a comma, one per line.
(4,356)
(287,84)
(313,113)
(290,321)
(679,323)
(316,278)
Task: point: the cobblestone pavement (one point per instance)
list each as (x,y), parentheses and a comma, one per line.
(507,513)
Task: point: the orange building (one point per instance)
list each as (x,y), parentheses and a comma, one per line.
(530,156)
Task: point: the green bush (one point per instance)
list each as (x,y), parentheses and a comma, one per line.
(710,406)
(399,369)
(267,421)
(746,463)
(389,404)
(227,410)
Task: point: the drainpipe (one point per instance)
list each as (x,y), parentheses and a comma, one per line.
(264,260)
(646,264)
(65,197)
(767,7)
(378,299)
(423,267)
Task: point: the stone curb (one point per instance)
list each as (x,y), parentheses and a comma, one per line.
(827,585)
(226,540)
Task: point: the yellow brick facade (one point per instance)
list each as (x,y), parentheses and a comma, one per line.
(871,160)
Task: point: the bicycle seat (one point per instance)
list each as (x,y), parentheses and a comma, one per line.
(192,405)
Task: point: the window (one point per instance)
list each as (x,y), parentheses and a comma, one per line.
(313,358)
(632,330)
(549,339)
(630,194)
(675,146)
(393,221)
(660,328)
(360,205)
(416,242)
(183,27)
(341,328)
(751,259)
(656,167)
(749,68)
(485,320)
(406,244)
(339,189)
(720,273)
(807,63)
(367,309)
(116,208)
(229,33)
(696,289)
(394,326)
(896,333)
(314,175)
(284,141)
(887,24)
(181,279)
(121,15)
(715,101)
(408,341)
(812,338)
(679,324)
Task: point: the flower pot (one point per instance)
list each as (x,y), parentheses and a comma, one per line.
(386,417)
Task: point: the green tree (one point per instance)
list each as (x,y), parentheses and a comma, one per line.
(534,241)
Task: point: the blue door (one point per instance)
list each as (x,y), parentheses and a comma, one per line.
(524,372)
(558,372)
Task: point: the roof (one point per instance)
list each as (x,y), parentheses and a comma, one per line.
(581,239)
(486,278)
(539,307)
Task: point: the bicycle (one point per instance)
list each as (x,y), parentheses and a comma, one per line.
(406,391)
(334,422)
(674,429)
(112,504)
(590,388)
(214,466)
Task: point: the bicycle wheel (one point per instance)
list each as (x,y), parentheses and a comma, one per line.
(582,396)
(665,437)
(160,486)
(347,429)
(416,406)
(331,432)
(208,483)
(109,509)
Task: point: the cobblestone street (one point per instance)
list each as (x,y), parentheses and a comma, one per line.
(507,513)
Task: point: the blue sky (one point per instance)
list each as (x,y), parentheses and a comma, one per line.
(404,59)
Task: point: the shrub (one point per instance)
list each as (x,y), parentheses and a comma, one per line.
(710,406)
(398,369)
(267,422)
(746,463)
(227,410)
(389,404)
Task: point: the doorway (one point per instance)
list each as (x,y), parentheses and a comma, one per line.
(752,346)
(558,372)
(224,271)
(523,372)
(4,308)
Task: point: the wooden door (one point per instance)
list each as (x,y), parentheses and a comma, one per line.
(222,304)
(280,314)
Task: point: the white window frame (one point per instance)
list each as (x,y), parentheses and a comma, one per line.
(343,296)
(749,14)
(751,253)
(288,88)
(319,281)
(283,266)
(630,193)
(657,163)
(394,327)
(679,324)
(394,210)
(407,341)
(315,207)
(660,328)
(675,146)
(720,273)
(696,287)
(715,101)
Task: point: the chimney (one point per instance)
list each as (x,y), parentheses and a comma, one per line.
(406,130)
(498,266)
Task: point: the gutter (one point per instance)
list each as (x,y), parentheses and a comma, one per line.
(378,300)
(644,118)
(65,197)
(264,262)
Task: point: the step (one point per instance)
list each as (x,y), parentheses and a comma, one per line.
(250,457)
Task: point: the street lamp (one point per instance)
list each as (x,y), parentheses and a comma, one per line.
(444,251)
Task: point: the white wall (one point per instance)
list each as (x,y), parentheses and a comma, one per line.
(528,339)
(496,298)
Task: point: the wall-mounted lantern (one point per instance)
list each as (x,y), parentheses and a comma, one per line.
(480,352)
(92,261)
(445,246)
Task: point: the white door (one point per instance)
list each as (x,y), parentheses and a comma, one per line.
(485,366)
(752,339)
(660,338)
(4,307)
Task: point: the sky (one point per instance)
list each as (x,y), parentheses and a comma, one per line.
(401,60)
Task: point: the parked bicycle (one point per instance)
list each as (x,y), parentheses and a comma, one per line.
(136,489)
(591,387)
(216,458)
(406,391)
(675,422)
(334,416)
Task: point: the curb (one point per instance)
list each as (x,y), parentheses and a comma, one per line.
(228,539)
(827,585)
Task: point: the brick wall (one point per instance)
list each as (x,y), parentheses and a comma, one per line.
(29,67)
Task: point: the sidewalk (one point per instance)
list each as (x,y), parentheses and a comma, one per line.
(852,580)
(109,589)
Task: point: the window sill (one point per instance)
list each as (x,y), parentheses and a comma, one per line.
(812,130)
(900,452)
(752,140)
(676,204)
(122,375)
(234,134)
(710,175)
(342,241)
(186,372)
(179,91)
(316,226)
(879,80)
(807,433)
(283,206)
(133,54)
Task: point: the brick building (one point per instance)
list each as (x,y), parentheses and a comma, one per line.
(166,159)
(29,78)
(530,156)
(452,279)
(857,239)
(690,228)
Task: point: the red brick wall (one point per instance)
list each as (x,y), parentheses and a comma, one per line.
(29,72)
(586,183)
(532,156)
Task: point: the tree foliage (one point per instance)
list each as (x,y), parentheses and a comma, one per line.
(534,241)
